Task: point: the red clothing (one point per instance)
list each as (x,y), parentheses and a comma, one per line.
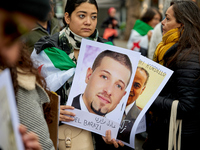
(108,32)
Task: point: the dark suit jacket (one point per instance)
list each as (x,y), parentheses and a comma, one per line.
(127,124)
(76,102)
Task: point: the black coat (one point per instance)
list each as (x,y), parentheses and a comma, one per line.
(184,85)
(108,21)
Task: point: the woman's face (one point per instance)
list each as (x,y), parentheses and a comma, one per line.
(83,19)
(170,21)
(112,13)
(10,43)
(155,20)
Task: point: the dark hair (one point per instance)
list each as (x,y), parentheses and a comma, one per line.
(72,4)
(149,15)
(187,13)
(121,58)
(35,8)
(147,74)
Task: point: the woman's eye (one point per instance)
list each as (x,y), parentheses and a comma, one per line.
(94,17)
(81,16)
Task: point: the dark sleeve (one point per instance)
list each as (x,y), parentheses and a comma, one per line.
(106,22)
(183,86)
(117,25)
(47,41)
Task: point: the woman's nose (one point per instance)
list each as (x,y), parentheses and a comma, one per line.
(162,22)
(88,21)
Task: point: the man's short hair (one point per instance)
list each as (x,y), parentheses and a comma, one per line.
(147,74)
(121,58)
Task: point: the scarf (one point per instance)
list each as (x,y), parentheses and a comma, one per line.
(74,39)
(169,39)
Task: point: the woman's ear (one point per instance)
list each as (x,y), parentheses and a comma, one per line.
(67,18)
(182,25)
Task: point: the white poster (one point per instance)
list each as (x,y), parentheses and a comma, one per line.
(10,138)
(149,80)
(108,95)
(101,87)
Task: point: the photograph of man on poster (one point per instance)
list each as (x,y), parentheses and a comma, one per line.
(106,81)
(132,111)
(100,91)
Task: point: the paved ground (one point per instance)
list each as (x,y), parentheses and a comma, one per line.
(122,43)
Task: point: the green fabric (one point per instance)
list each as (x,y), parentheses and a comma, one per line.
(59,58)
(109,43)
(141,27)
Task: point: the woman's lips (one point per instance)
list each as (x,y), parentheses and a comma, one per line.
(86,29)
(163,30)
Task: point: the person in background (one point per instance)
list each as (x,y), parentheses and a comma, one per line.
(142,31)
(47,26)
(110,25)
(16,20)
(80,21)
(156,38)
(179,51)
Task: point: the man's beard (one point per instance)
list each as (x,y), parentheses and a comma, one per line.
(98,112)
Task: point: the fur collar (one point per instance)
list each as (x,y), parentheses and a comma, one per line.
(26,80)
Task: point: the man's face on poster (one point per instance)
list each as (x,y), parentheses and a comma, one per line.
(138,85)
(105,86)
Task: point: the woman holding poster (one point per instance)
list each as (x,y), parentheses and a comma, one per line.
(58,68)
(56,56)
(180,52)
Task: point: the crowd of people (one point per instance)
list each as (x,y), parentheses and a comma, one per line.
(30,37)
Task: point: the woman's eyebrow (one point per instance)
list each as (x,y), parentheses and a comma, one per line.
(86,12)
